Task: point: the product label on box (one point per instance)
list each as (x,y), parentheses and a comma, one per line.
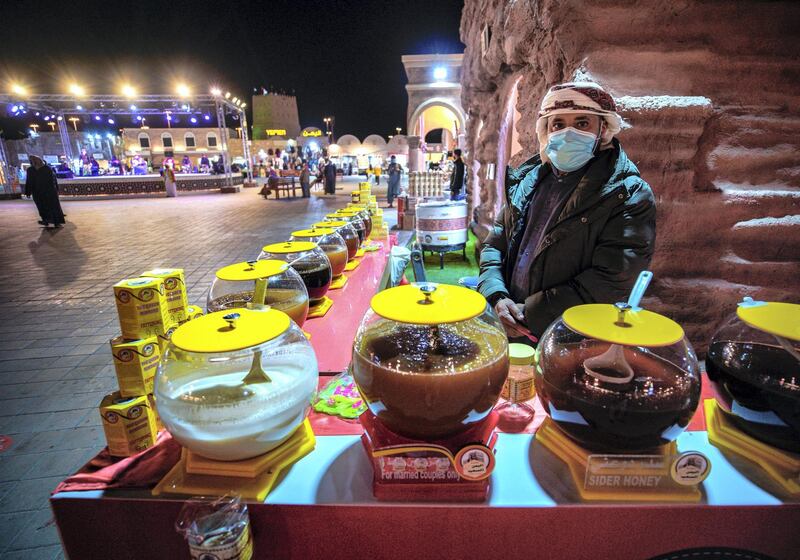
(434,463)
(651,473)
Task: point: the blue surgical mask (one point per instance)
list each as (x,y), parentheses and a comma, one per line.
(570,149)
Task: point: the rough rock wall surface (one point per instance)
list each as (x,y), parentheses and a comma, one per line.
(712,91)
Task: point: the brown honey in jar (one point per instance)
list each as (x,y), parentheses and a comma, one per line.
(430,370)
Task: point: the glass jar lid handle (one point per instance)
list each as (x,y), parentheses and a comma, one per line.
(427,290)
(231,318)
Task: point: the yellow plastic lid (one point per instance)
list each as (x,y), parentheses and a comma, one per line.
(332,224)
(290,247)
(428,304)
(775,318)
(520,354)
(251,270)
(347,213)
(230,330)
(338,215)
(639,328)
(313,232)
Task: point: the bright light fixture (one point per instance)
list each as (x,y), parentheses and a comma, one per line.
(77,89)
(79,107)
(227,95)
(110,121)
(439,73)
(244,105)
(18,89)
(133,107)
(182,90)
(216,91)
(128,91)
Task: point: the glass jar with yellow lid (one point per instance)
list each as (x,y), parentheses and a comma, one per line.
(254,283)
(430,359)
(618,378)
(363,212)
(348,233)
(330,241)
(355,220)
(753,363)
(235,384)
(310,262)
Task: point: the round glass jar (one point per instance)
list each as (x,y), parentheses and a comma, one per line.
(753,363)
(310,262)
(430,359)
(277,284)
(616,379)
(355,220)
(330,242)
(235,384)
(348,233)
(363,213)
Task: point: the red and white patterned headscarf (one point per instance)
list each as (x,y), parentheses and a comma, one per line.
(579,97)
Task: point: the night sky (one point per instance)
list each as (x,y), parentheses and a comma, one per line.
(340,58)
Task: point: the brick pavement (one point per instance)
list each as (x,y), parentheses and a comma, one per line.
(57,315)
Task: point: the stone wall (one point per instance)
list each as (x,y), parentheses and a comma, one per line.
(712,91)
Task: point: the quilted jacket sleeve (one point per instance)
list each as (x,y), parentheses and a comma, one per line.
(493,255)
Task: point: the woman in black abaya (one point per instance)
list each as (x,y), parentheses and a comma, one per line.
(41,184)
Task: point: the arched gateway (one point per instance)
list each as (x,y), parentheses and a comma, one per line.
(434,103)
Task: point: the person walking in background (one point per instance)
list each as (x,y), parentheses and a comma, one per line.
(305,180)
(377,172)
(394,172)
(170,183)
(458,176)
(42,185)
(330,177)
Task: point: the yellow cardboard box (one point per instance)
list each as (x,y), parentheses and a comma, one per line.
(142,307)
(193,312)
(129,424)
(135,362)
(175,288)
(164,337)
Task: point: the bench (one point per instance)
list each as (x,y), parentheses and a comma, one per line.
(284,184)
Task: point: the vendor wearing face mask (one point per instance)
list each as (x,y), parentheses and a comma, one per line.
(579,222)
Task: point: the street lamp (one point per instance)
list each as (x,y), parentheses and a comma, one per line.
(182,90)
(128,91)
(74,121)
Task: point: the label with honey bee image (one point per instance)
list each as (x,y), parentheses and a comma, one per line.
(142,307)
(129,424)
(135,362)
(175,291)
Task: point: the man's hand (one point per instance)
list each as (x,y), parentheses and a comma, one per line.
(511,315)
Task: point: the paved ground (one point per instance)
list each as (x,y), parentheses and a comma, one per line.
(57,314)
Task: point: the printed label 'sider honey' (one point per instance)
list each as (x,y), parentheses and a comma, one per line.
(142,307)
(135,362)
(129,424)
(175,289)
